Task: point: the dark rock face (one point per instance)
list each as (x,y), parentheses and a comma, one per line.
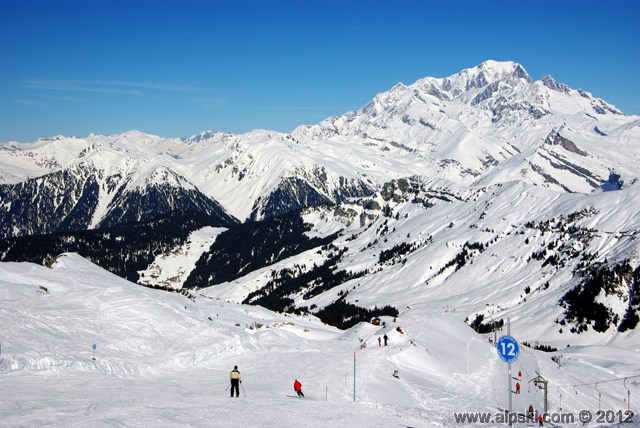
(556,139)
(550,83)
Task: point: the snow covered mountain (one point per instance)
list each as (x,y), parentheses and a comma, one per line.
(485,125)
(134,177)
(94,183)
(507,193)
(490,124)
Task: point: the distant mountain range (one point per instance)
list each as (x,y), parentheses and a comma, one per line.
(487,188)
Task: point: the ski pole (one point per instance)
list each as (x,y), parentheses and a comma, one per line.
(227,387)
(241,386)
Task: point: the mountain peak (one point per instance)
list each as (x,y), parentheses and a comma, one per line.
(551,83)
(202,136)
(487,73)
(503,68)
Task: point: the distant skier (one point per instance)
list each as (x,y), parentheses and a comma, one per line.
(386,338)
(396,374)
(520,375)
(235,381)
(379,341)
(297,386)
(517,387)
(530,417)
(540,421)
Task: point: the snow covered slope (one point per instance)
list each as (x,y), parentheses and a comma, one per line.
(163,359)
(563,266)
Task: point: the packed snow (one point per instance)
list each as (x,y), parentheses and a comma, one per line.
(163,359)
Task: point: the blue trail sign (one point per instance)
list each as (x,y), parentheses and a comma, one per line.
(508,349)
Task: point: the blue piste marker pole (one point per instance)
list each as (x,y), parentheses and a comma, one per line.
(94,351)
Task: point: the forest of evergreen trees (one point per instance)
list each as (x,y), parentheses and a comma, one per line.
(581,305)
(344,315)
(249,246)
(123,250)
(311,283)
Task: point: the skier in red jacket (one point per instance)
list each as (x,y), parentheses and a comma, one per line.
(298,387)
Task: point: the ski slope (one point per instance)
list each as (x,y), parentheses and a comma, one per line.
(163,359)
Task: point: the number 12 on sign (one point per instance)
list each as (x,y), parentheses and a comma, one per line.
(508,349)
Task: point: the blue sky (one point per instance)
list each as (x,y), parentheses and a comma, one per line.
(175,68)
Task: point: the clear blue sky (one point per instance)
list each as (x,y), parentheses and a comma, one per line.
(175,68)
